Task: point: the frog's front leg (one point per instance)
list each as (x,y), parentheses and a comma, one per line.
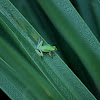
(50,54)
(40,53)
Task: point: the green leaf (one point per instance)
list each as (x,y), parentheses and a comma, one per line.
(76,32)
(85,9)
(22,69)
(34,15)
(43,25)
(22,76)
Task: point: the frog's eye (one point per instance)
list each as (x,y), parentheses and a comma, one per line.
(55,48)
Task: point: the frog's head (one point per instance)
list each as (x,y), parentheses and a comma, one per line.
(54,47)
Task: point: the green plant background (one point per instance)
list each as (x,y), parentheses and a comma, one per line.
(73,27)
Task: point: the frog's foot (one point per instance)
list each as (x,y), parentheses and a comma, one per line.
(40,53)
(39,40)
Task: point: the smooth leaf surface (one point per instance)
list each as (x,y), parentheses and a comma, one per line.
(76,33)
(52,77)
(22,75)
(44,26)
(88,15)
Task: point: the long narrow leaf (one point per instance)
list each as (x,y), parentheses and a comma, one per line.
(75,31)
(55,72)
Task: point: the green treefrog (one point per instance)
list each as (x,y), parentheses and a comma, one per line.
(44,48)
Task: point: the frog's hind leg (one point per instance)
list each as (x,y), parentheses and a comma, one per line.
(40,43)
(40,53)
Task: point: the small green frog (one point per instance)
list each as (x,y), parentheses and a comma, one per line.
(44,48)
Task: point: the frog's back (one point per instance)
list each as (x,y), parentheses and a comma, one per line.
(47,48)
